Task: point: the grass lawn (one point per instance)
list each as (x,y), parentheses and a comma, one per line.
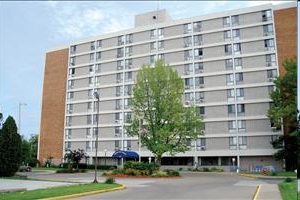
(288,190)
(57,191)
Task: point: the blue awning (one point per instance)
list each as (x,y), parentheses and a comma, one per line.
(125,154)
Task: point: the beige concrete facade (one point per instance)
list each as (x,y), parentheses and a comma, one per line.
(227,62)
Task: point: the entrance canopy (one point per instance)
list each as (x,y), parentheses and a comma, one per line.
(125,154)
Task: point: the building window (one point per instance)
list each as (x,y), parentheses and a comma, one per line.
(99,44)
(188,54)
(91,81)
(271,88)
(117,145)
(228,49)
(200,111)
(237,48)
(271,60)
(232,126)
(266,15)
(118,117)
(70,96)
(229,79)
(160,32)
(69,108)
(92,57)
(118,131)
(198,40)
(242,142)
(121,40)
(240,94)
(230,95)
(236,34)
(72,61)
(89,107)
(238,63)
(118,104)
(92,45)
(89,119)
(128,63)
(128,76)
(199,96)
(199,82)
(98,55)
(128,51)
(232,143)
(68,134)
(188,82)
(188,98)
(235,20)
(161,45)
(229,64)
(239,77)
(120,64)
(120,52)
(197,26)
(128,90)
(119,77)
(240,108)
(127,103)
(188,69)
(153,46)
(187,28)
(119,91)
(201,144)
(269,45)
(268,29)
(67,145)
(153,59)
(98,68)
(198,53)
(153,34)
(73,49)
(227,35)
(226,21)
(231,109)
(129,38)
(127,117)
(71,84)
(187,41)
(272,73)
(71,72)
(68,121)
(198,68)
(90,94)
(97,80)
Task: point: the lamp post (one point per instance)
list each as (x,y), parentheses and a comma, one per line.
(105,150)
(96,145)
(20,106)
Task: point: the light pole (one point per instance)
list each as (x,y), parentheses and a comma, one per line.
(20,106)
(96,145)
(105,150)
(139,139)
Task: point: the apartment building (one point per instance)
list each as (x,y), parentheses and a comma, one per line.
(227,62)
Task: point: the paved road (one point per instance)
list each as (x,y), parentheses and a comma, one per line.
(204,186)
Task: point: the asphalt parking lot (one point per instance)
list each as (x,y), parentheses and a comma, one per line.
(192,185)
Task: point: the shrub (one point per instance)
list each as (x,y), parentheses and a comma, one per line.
(171,172)
(272,173)
(118,171)
(160,173)
(109,180)
(205,169)
(288,179)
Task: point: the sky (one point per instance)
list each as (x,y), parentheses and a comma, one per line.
(29,28)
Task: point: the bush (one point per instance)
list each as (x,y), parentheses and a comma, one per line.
(109,180)
(160,173)
(102,167)
(117,171)
(272,173)
(288,179)
(205,169)
(171,172)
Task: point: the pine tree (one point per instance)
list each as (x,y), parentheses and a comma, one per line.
(10,148)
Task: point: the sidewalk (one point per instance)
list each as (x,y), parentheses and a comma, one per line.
(268,192)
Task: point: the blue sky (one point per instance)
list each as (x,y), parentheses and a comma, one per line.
(29,29)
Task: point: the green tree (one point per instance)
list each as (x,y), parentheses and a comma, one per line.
(75,156)
(25,151)
(10,148)
(284,112)
(160,119)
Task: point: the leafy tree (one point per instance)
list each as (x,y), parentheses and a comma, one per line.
(75,156)
(29,150)
(10,148)
(167,125)
(25,151)
(284,112)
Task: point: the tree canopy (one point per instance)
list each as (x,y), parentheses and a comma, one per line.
(284,112)
(10,148)
(159,117)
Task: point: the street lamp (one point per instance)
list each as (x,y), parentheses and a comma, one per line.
(96,145)
(20,106)
(105,150)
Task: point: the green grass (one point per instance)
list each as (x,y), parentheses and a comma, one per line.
(57,191)
(287,174)
(288,190)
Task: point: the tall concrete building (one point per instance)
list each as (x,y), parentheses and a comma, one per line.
(227,62)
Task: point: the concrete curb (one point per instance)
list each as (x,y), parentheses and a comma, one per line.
(257,192)
(86,193)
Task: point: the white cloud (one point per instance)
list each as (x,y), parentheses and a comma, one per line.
(73,20)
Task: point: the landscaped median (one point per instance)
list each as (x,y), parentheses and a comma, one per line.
(65,192)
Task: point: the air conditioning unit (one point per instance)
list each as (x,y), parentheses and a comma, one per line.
(117,121)
(203,148)
(187,72)
(270,79)
(187,87)
(201,85)
(201,100)
(187,102)
(120,67)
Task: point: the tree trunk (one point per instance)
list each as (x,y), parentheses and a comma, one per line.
(158,160)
